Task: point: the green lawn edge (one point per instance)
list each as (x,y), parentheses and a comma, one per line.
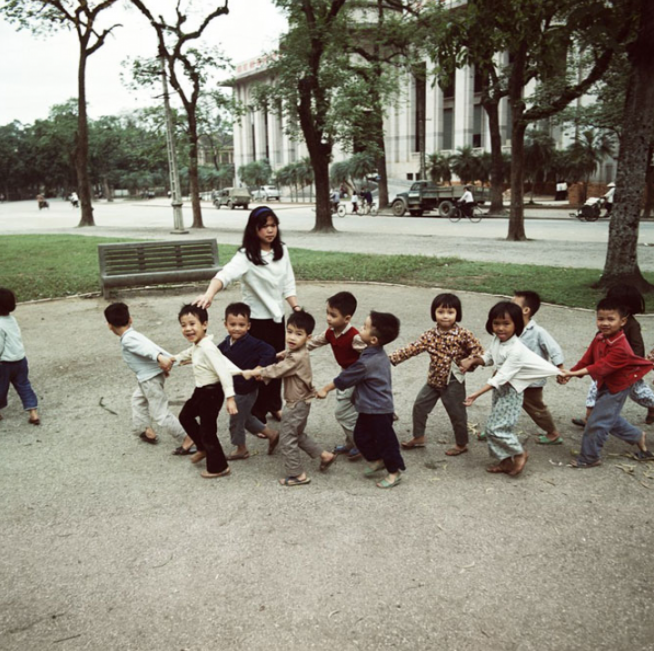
(51,266)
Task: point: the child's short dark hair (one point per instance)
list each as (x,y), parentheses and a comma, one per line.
(238,309)
(629,296)
(447,300)
(613,304)
(117,315)
(7,301)
(199,312)
(531,300)
(344,302)
(506,308)
(385,326)
(302,321)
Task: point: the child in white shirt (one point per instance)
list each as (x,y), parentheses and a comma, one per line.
(517,368)
(213,385)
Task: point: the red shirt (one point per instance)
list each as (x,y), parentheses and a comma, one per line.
(342,347)
(610,361)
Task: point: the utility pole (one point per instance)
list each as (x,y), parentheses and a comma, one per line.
(175,195)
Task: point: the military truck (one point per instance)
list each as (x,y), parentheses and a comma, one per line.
(424,196)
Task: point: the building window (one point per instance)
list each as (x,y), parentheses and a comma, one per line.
(448,87)
(477,123)
(448,128)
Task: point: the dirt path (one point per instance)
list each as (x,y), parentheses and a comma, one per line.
(111,544)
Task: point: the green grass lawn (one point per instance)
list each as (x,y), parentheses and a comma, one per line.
(45,266)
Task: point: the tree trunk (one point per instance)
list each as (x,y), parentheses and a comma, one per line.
(497,162)
(621,264)
(108,189)
(324,222)
(649,185)
(517,215)
(516,86)
(82,143)
(194,185)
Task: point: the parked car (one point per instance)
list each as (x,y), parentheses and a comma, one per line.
(266,193)
(232,197)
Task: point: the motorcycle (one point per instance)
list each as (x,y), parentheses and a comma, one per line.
(74,201)
(43,204)
(591,211)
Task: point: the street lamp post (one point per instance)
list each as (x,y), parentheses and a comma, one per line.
(175,195)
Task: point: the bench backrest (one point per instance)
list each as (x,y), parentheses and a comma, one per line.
(134,258)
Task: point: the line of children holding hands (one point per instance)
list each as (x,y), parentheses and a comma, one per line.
(523,352)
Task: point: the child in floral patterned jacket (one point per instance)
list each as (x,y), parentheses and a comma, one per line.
(447,344)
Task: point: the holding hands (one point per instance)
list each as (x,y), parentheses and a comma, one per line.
(165,363)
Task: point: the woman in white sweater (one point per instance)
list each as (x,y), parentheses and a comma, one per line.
(263,266)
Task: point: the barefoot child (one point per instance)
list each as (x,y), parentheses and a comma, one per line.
(213,385)
(150,364)
(539,341)
(447,344)
(610,361)
(295,371)
(373,397)
(13,363)
(346,345)
(517,368)
(245,351)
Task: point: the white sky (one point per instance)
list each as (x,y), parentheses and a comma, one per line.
(37,72)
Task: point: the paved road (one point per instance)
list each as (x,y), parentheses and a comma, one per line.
(555,238)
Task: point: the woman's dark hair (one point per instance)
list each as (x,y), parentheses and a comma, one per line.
(7,301)
(629,296)
(251,243)
(506,308)
(447,300)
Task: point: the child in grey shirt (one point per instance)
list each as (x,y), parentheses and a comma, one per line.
(150,364)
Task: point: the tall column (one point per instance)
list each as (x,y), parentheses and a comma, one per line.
(463,112)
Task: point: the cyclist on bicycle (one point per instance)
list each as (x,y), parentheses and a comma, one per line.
(467,202)
(367,197)
(335,200)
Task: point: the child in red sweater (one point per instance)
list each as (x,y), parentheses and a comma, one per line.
(346,344)
(611,362)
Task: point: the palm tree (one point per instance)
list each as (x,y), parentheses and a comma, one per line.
(585,155)
(304,175)
(465,164)
(538,156)
(438,168)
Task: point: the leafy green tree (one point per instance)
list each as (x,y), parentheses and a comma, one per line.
(188,70)
(82,17)
(308,72)
(256,173)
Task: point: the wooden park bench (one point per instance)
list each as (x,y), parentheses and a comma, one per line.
(131,264)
